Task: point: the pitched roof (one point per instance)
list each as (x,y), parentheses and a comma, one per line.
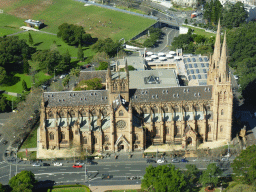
(172,94)
(76,98)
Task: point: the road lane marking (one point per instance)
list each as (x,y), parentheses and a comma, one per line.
(105,168)
(114,171)
(107,165)
(40,170)
(64,173)
(128,164)
(128,167)
(134,170)
(128,173)
(63,169)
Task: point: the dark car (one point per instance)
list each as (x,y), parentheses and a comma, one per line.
(184,160)
(106,176)
(5,142)
(151,161)
(46,164)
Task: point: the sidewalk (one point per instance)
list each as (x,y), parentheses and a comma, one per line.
(113,187)
(29,149)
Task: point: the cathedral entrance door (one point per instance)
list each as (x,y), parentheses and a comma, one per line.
(189,141)
(120,146)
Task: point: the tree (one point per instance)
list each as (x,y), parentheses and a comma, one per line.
(75,72)
(30,39)
(24,178)
(245,165)
(234,15)
(103,66)
(25,66)
(2,74)
(130,68)
(186,21)
(210,175)
(3,104)
(192,173)
(24,85)
(64,62)
(108,46)
(65,81)
(164,178)
(74,35)
(80,53)
(2,188)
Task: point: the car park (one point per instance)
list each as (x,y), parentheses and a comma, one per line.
(57,164)
(175,160)
(77,166)
(36,165)
(151,161)
(161,161)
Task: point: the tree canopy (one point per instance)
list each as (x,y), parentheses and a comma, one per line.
(23,180)
(245,165)
(210,175)
(164,178)
(108,46)
(103,66)
(74,34)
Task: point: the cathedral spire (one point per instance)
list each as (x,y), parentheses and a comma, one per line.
(126,69)
(217,46)
(223,66)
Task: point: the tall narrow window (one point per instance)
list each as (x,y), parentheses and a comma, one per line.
(222,112)
(84,140)
(177,130)
(157,131)
(62,136)
(51,136)
(106,139)
(221,128)
(136,137)
(167,130)
(209,128)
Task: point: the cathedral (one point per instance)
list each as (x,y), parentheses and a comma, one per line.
(126,119)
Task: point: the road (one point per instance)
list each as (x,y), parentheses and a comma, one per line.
(120,170)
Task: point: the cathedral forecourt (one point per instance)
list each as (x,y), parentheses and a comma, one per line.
(124,118)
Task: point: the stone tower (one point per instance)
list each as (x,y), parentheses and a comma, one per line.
(222,91)
(117,84)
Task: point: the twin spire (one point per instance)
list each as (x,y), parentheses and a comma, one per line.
(218,61)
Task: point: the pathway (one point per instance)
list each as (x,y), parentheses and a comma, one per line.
(113,187)
(17,33)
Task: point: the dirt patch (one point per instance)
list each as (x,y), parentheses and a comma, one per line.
(28,11)
(7,3)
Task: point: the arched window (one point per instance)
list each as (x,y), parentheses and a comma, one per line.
(50,115)
(123,87)
(121,113)
(155,109)
(197,108)
(62,136)
(115,87)
(157,131)
(51,136)
(178,130)
(225,95)
(209,128)
(221,128)
(136,137)
(176,109)
(84,140)
(222,112)
(166,109)
(187,108)
(106,139)
(167,130)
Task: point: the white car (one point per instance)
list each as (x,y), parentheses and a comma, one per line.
(161,161)
(57,164)
(62,76)
(36,165)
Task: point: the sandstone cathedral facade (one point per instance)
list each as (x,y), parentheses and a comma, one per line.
(124,119)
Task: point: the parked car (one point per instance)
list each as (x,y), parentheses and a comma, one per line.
(175,160)
(46,164)
(36,165)
(79,163)
(5,142)
(77,166)
(57,164)
(62,76)
(184,160)
(224,159)
(106,176)
(161,161)
(151,161)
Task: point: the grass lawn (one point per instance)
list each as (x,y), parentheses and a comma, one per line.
(31,141)
(99,22)
(200,31)
(7,20)
(31,155)
(8,31)
(71,189)
(16,83)
(44,41)
(10,98)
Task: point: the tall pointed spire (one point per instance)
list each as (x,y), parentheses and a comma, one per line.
(217,46)
(223,66)
(126,69)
